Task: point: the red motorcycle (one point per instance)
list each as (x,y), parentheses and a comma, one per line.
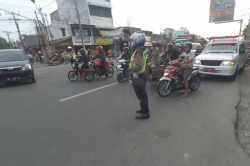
(78,72)
(97,68)
(171,81)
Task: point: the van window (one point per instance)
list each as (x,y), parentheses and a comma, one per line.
(221,47)
(243,47)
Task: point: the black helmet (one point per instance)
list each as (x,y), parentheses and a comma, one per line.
(125,48)
(82,51)
(170,46)
(189,45)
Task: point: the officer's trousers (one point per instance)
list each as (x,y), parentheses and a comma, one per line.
(139,85)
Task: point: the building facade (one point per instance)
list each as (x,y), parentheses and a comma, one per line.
(95,16)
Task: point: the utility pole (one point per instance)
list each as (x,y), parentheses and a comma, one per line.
(47,25)
(8,34)
(18,30)
(38,35)
(80,26)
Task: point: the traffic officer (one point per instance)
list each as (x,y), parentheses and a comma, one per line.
(137,68)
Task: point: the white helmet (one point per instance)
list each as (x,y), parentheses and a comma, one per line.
(69,47)
(138,38)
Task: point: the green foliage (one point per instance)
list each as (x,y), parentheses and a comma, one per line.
(4,44)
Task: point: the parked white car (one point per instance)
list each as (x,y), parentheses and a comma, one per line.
(223,56)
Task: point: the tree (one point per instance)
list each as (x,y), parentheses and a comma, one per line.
(4,44)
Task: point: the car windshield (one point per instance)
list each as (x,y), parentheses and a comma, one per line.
(194,46)
(8,56)
(221,47)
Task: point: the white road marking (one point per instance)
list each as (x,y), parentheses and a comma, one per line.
(84,93)
(39,72)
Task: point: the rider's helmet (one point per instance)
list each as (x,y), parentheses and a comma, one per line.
(81,51)
(125,49)
(188,45)
(170,46)
(138,39)
(99,48)
(70,48)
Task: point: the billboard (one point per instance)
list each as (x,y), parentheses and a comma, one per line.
(221,10)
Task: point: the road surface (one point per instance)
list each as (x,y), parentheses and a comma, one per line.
(59,123)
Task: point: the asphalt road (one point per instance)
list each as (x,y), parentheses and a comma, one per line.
(59,123)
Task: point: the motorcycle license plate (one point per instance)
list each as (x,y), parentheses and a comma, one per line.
(209,69)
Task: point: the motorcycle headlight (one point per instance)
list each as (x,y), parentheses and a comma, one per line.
(228,63)
(27,67)
(197,62)
(119,66)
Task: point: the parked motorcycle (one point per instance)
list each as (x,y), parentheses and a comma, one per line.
(78,72)
(122,74)
(171,82)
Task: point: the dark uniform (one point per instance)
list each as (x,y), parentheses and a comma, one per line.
(139,81)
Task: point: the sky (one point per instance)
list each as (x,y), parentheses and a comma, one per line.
(152,15)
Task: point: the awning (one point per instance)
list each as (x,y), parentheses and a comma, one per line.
(101,5)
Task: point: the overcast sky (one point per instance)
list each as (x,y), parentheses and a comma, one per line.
(149,15)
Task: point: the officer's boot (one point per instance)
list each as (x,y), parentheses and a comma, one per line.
(144,114)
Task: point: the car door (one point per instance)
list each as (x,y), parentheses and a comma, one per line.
(242,53)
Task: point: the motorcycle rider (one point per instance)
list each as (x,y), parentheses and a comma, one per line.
(137,68)
(171,52)
(126,56)
(186,61)
(83,57)
(154,58)
(102,57)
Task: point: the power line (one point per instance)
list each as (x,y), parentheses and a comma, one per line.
(48,4)
(16,14)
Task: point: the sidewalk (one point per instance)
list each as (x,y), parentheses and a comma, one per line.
(243,112)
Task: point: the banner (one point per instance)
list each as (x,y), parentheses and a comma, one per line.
(221,10)
(104,41)
(113,33)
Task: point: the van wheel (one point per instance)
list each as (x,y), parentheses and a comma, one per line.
(233,77)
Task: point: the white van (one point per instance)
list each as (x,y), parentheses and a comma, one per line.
(223,56)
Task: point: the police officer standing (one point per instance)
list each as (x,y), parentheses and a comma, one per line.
(137,68)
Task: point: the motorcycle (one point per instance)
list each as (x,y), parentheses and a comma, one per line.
(164,60)
(121,73)
(78,72)
(97,68)
(170,82)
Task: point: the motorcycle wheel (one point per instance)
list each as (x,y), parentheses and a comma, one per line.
(89,76)
(72,76)
(110,71)
(120,77)
(162,88)
(195,83)
(66,61)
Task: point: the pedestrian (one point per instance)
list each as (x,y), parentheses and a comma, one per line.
(137,68)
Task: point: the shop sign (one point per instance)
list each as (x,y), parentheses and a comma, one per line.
(66,43)
(78,41)
(104,41)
